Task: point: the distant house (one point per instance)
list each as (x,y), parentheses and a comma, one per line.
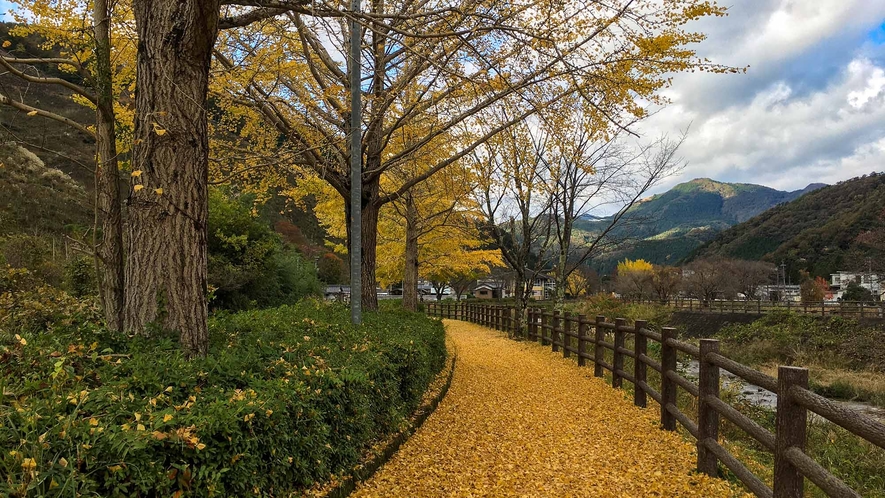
(543,287)
(504,285)
(870,281)
(489,290)
(779,293)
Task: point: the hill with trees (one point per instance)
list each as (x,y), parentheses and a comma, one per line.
(665,228)
(840,227)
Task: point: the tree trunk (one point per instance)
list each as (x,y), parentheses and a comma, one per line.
(109,250)
(561,278)
(370,243)
(410,276)
(523,288)
(167,229)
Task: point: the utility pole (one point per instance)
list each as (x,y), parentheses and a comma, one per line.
(356,168)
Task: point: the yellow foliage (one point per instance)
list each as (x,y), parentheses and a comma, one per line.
(639,265)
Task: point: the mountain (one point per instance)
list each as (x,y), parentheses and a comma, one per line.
(839,227)
(667,227)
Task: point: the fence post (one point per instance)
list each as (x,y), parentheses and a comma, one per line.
(533,326)
(566,339)
(861,309)
(543,335)
(668,387)
(790,432)
(582,342)
(640,347)
(598,351)
(708,417)
(554,333)
(618,359)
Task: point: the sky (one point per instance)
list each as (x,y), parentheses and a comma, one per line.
(811,107)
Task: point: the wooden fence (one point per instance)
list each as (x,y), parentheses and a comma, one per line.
(596,340)
(854,309)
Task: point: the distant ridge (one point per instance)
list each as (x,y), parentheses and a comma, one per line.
(838,227)
(667,227)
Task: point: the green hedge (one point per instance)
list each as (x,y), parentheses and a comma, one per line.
(287,397)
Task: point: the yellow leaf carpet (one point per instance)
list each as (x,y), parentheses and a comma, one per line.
(520,420)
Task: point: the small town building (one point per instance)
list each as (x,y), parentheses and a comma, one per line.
(868,280)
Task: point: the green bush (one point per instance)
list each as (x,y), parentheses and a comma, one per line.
(249,266)
(80,277)
(286,397)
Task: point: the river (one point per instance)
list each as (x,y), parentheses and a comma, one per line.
(768,399)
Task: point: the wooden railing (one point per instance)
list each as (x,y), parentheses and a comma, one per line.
(597,340)
(854,309)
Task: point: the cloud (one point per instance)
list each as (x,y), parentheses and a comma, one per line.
(811,107)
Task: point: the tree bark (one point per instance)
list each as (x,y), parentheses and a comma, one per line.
(410,276)
(370,243)
(109,250)
(167,250)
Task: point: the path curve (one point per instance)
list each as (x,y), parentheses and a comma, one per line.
(521,421)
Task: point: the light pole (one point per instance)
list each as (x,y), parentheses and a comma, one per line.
(356,168)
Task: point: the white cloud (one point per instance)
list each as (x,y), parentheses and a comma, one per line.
(811,109)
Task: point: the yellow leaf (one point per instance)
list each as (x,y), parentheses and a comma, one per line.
(33,113)
(201,446)
(136,173)
(7,43)
(137,187)
(159,130)
(63,462)
(29,464)
(158,191)
(93,421)
(137,417)
(167,417)
(159,436)
(139,427)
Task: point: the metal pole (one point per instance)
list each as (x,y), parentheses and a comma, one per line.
(356,169)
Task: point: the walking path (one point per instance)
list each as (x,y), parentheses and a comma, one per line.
(519,420)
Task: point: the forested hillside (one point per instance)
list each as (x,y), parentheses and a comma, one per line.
(840,227)
(667,227)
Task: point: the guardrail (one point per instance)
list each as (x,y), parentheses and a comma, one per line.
(571,335)
(855,309)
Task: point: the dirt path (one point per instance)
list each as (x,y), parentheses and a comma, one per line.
(521,421)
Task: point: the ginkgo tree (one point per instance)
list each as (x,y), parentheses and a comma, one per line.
(444,64)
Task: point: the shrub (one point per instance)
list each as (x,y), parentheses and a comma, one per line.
(80,277)
(29,306)
(249,267)
(286,397)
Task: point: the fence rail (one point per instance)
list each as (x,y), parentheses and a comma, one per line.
(854,309)
(571,334)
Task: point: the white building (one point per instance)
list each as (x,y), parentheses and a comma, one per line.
(870,281)
(779,293)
